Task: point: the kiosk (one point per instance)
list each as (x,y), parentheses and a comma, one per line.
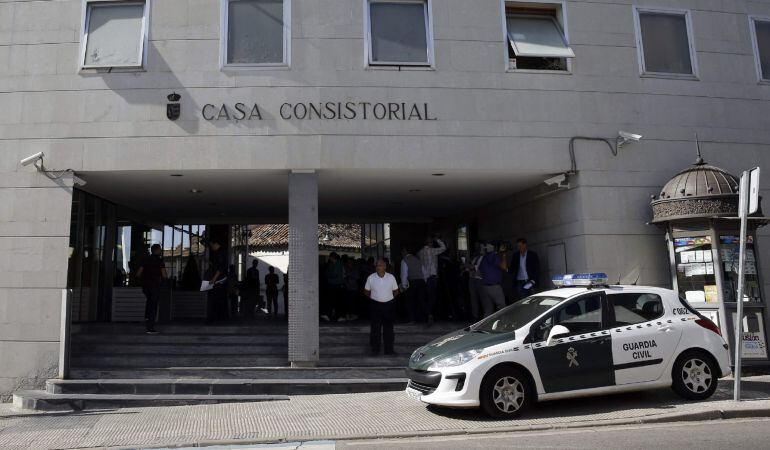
(698,209)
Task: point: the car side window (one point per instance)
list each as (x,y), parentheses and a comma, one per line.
(633,308)
(580,317)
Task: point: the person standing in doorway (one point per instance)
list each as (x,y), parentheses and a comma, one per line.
(525,266)
(286,294)
(152,272)
(382,288)
(271,291)
(413,283)
(475,283)
(216,301)
(250,298)
(352,274)
(334,274)
(492,267)
(428,255)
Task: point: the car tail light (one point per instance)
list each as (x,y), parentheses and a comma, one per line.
(709,325)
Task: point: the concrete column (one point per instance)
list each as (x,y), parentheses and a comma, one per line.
(303,269)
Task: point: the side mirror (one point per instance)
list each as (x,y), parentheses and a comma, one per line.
(556,332)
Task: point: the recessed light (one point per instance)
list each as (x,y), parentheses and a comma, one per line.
(177,175)
(196,191)
(438,174)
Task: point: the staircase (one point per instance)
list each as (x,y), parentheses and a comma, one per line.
(118,365)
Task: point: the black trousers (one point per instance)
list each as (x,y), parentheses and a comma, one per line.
(272,302)
(381,316)
(216,303)
(415,297)
(151,306)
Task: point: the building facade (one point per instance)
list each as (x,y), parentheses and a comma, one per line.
(500,117)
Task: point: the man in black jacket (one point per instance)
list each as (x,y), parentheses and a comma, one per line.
(525,268)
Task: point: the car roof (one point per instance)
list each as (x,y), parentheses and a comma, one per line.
(573,291)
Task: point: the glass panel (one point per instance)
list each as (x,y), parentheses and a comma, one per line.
(695,269)
(114,35)
(398,33)
(728,255)
(537,36)
(255,32)
(582,316)
(763,47)
(665,42)
(631,309)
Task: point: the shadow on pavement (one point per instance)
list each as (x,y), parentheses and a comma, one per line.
(664,400)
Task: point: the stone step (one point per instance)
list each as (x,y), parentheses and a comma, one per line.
(214,387)
(280,373)
(257,350)
(360,326)
(43,401)
(128,339)
(228,360)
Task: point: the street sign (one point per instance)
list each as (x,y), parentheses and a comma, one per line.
(754,190)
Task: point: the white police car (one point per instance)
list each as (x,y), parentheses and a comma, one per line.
(581,339)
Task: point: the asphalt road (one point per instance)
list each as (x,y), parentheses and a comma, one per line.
(744,434)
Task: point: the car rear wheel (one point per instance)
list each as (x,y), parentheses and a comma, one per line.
(695,375)
(506,392)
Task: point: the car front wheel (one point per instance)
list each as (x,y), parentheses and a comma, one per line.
(695,375)
(506,392)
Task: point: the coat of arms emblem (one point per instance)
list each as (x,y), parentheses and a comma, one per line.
(173,108)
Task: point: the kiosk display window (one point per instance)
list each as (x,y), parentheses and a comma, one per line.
(728,255)
(753,342)
(695,269)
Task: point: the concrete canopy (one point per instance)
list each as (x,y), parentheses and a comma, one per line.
(248,196)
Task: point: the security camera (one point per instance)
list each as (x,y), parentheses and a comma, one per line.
(32,159)
(624,137)
(558,181)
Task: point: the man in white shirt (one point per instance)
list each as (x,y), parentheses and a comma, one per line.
(381,287)
(429,257)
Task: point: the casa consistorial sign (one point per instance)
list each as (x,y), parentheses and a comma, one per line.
(330,110)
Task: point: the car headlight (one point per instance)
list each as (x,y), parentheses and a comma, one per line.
(457,359)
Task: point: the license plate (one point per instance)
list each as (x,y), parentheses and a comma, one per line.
(413,393)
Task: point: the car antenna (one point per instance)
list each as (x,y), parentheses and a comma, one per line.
(637,279)
(619,277)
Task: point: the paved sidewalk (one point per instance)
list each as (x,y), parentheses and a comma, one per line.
(348,416)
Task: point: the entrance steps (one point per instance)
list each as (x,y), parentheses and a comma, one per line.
(118,365)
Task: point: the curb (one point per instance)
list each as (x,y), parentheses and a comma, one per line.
(696,416)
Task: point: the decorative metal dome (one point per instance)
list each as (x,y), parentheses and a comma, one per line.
(699,191)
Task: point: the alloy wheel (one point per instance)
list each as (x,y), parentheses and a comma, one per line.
(696,375)
(508,394)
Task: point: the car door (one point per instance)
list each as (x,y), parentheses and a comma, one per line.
(643,339)
(583,358)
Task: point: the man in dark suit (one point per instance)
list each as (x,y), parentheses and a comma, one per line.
(525,268)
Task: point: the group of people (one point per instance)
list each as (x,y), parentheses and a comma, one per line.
(430,283)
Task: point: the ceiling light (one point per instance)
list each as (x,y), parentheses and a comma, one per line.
(196,191)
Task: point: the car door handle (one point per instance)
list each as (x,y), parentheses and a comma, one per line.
(665,328)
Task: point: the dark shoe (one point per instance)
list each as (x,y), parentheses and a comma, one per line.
(151,332)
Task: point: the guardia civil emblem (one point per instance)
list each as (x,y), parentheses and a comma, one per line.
(173,108)
(572,357)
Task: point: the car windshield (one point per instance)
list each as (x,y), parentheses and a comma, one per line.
(517,315)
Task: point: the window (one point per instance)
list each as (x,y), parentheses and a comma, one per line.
(535,38)
(636,308)
(581,316)
(664,42)
(114,34)
(760,30)
(695,267)
(399,33)
(255,33)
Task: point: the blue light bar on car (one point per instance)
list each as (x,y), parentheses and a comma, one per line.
(580,279)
